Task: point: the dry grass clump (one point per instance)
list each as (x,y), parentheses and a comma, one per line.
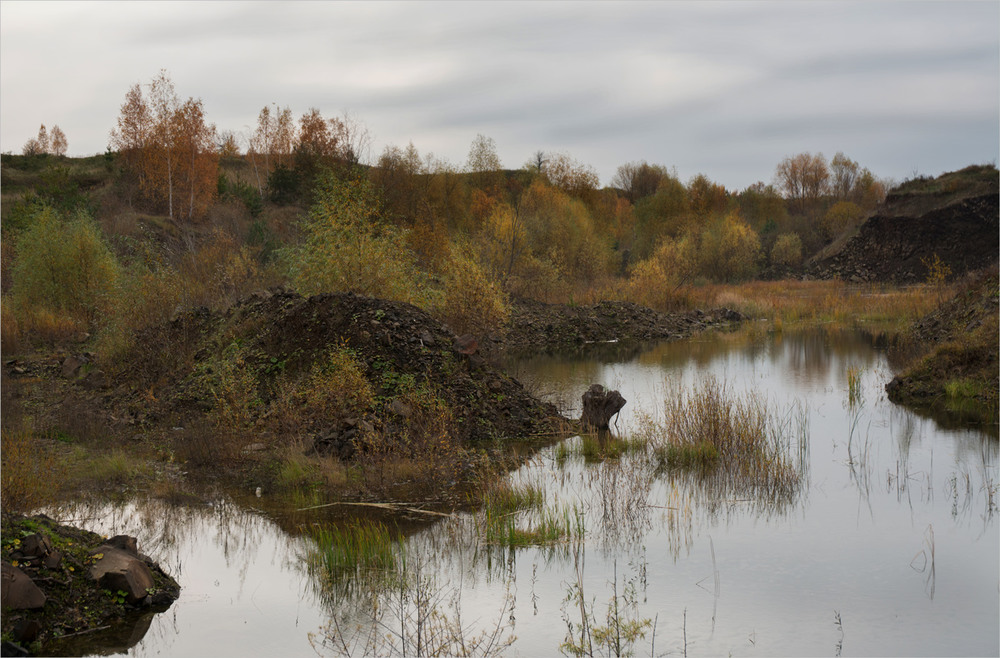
(24,327)
(737,439)
(29,474)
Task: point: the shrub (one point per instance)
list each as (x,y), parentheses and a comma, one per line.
(348,247)
(63,266)
(27,473)
(842,216)
(654,282)
(787,250)
(335,388)
(729,249)
(472,301)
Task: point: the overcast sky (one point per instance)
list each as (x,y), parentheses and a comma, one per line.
(724,89)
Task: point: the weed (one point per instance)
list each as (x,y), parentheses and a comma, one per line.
(702,455)
(854,385)
(738,440)
(365,547)
(28,471)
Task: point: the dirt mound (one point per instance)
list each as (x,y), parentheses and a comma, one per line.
(958,369)
(276,336)
(951,219)
(535,325)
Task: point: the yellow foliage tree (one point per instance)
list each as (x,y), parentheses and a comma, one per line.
(349,247)
(729,249)
(473,301)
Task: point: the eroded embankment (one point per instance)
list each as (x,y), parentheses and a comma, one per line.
(957,370)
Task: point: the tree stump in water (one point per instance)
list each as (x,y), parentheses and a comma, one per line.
(599,406)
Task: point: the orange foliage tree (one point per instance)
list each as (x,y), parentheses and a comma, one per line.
(167,149)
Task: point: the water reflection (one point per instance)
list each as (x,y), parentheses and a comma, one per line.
(888,547)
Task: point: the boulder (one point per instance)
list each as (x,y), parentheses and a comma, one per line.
(19,592)
(599,406)
(119,569)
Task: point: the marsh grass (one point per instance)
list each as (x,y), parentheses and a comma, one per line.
(550,527)
(697,456)
(622,627)
(738,440)
(367,548)
(598,447)
(789,303)
(854,385)
(415,614)
(28,470)
(502,497)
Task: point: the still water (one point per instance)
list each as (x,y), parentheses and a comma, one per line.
(889,545)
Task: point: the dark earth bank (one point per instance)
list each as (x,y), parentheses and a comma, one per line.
(956,367)
(951,220)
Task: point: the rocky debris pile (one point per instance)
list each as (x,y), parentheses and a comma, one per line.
(951,220)
(398,346)
(59,581)
(535,325)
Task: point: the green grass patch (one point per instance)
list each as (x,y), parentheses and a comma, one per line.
(362,547)
(702,455)
(551,527)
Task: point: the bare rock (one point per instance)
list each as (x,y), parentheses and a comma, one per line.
(120,570)
(18,591)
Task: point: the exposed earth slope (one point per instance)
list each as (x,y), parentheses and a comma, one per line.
(951,220)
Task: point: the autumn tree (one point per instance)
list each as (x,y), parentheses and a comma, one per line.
(166,149)
(729,250)
(656,280)
(706,198)
(131,138)
(349,247)
(271,143)
(571,176)
(43,139)
(484,165)
(58,143)
(667,212)
(162,153)
(763,207)
(842,216)
(843,176)
(537,162)
(399,175)
(197,159)
(31,147)
(447,193)
(804,178)
(638,180)
(787,250)
(228,145)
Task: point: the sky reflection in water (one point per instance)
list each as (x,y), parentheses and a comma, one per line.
(890,547)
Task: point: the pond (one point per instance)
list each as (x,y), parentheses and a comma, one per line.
(884,542)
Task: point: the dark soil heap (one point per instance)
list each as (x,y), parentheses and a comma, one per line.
(952,218)
(282,334)
(535,325)
(959,371)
